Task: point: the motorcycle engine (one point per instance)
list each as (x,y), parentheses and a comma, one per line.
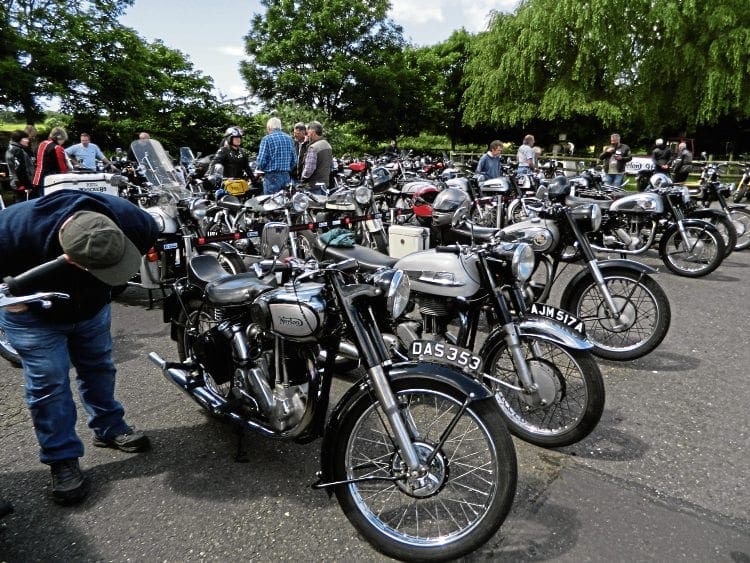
(214,352)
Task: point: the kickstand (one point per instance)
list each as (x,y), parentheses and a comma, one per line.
(241,455)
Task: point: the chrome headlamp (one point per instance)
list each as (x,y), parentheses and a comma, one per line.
(396,288)
(300,202)
(523,261)
(589,217)
(363,195)
(198,208)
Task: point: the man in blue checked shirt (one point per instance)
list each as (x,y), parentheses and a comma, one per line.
(276,157)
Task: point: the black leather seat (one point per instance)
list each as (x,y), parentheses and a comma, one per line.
(368,258)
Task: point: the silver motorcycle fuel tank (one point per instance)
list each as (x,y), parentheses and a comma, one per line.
(541,234)
(296,310)
(441,273)
(642,202)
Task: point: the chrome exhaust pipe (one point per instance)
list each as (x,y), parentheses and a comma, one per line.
(213,403)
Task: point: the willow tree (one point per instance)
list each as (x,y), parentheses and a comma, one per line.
(613,63)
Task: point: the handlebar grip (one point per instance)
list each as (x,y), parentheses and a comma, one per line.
(22,283)
(453,249)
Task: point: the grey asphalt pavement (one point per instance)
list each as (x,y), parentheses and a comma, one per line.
(664,477)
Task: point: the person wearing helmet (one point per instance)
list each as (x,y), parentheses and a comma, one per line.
(661,156)
(232,157)
(489,163)
(276,157)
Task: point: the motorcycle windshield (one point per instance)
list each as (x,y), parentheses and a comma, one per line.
(157,167)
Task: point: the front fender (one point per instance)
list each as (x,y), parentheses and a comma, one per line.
(604,267)
(552,331)
(407,372)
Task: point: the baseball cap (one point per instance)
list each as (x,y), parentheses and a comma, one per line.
(95,242)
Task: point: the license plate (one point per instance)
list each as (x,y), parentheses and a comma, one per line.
(553,313)
(447,354)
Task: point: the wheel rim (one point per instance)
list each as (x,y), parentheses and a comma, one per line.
(698,254)
(639,320)
(7,346)
(466,468)
(741,222)
(561,385)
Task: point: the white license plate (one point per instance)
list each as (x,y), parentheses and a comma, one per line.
(445,353)
(553,313)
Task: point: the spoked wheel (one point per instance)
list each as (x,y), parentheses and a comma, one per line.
(6,349)
(741,221)
(571,391)
(192,323)
(726,227)
(696,255)
(638,326)
(465,495)
(485,217)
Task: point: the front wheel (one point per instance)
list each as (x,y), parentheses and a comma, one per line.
(570,391)
(696,254)
(741,221)
(465,495)
(639,323)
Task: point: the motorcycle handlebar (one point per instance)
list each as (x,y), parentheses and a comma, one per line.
(452,249)
(21,283)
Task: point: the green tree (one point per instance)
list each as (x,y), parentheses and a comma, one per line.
(637,65)
(319,52)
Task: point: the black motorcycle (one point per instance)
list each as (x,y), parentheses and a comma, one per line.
(417,453)
(713,190)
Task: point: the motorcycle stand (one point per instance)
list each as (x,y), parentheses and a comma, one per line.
(240,455)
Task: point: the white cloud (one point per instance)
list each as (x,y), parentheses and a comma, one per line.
(231,50)
(427,24)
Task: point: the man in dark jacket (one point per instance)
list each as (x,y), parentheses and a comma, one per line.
(103,238)
(20,167)
(615,156)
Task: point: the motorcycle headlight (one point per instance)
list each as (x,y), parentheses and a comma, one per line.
(596,217)
(523,261)
(198,209)
(159,221)
(396,287)
(685,194)
(363,195)
(300,202)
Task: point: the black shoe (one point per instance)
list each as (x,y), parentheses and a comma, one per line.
(131,441)
(69,485)
(5,508)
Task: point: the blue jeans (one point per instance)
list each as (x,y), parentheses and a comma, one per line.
(275,181)
(47,350)
(613,179)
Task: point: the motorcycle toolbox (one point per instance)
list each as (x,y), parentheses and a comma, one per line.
(94,182)
(405,239)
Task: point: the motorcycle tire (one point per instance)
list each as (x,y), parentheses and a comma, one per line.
(472,480)
(646,313)
(725,225)
(569,381)
(704,254)
(192,320)
(741,221)
(7,351)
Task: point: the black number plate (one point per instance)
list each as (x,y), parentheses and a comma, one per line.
(445,353)
(553,313)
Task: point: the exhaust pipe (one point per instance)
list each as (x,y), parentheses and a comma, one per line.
(215,404)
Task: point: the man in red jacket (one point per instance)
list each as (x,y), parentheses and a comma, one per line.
(50,156)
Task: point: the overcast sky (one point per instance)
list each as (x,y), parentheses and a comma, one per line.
(210,32)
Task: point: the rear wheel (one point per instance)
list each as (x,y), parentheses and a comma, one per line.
(726,227)
(467,491)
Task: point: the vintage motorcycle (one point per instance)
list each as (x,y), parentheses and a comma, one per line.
(714,190)
(625,311)
(546,382)
(417,453)
(688,243)
(743,186)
